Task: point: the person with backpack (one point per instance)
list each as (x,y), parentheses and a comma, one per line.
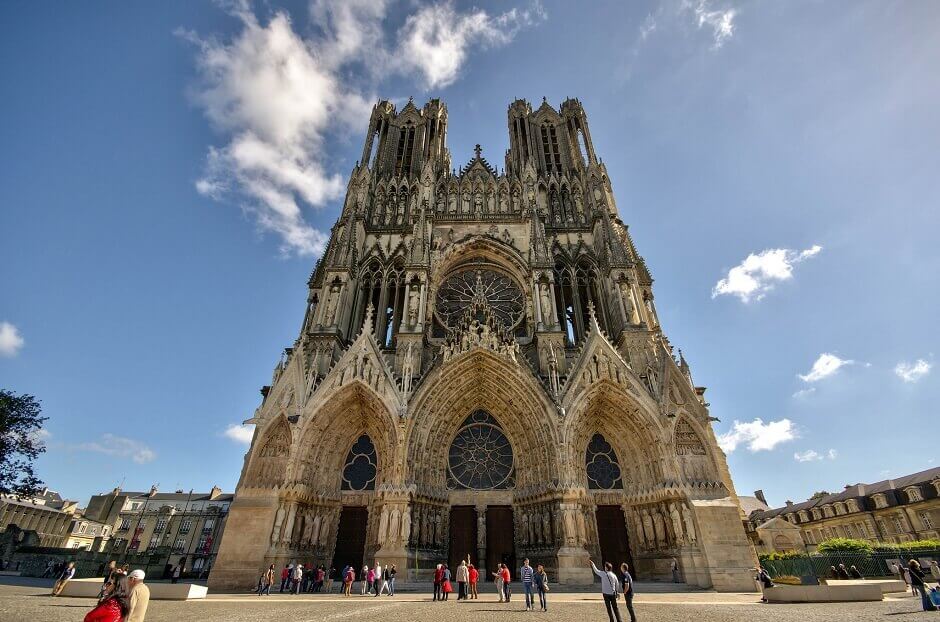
(609,589)
(541,585)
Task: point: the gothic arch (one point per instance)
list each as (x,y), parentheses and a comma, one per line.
(338,421)
(269,455)
(694,460)
(481,380)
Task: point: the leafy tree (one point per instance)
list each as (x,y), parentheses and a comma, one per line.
(820,495)
(20,443)
(849,545)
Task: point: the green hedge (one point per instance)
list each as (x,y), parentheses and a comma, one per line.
(777,556)
(845,545)
(914,545)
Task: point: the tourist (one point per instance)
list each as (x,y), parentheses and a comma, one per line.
(438,579)
(391,579)
(329,579)
(609,585)
(64,577)
(285,577)
(507,583)
(377,579)
(177,572)
(108,578)
(386,587)
(899,570)
(463,576)
(348,578)
(526,575)
(674,567)
(140,595)
(834,574)
(115,607)
(765,581)
(307,580)
(854,573)
(918,584)
(935,572)
(474,576)
(321,578)
(446,587)
(370,580)
(498,580)
(843,573)
(364,577)
(267,579)
(626,586)
(297,578)
(541,584)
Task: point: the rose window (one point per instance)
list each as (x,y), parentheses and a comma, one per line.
(603,470)
(359,472)
(480,456)
(501,293)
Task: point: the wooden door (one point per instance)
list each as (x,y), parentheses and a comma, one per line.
(500,544)
(463,536)
(351,539)
(612,533)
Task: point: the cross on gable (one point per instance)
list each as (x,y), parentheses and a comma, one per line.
(478,150)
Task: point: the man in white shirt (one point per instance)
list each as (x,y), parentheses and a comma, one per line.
(609,588)
(140,596)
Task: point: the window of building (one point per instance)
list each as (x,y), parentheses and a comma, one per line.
(603,468)
(913,494)
(203,541)
(816,514)
(161,525)
(82,528)
(840,509)
(154,543)
(125,524)
(849,532)
(186,525)
(179,544)
(862,530)
(880,501)
(361,465)
(898,525)
(925,520)
(209,524)
(852,505)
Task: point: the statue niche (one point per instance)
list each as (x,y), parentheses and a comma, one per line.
(270,464)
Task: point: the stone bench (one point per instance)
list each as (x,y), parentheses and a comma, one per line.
(887,585)
(89,588)
(862,592)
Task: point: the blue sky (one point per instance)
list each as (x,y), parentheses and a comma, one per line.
(165,187)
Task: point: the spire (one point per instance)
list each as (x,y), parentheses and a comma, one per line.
(367,323)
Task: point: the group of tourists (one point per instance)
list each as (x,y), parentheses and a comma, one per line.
(919,581)
(297,578)
(123,596)
(612,586)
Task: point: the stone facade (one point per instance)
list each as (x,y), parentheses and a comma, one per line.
(894,510)
(47,514)
(481,372)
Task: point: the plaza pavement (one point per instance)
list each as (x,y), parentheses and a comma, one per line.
(27,600)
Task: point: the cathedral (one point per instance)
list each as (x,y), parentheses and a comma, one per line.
(481,373)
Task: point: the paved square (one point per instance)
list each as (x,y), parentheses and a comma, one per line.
(31,603)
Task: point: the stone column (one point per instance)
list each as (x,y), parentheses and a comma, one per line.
(551,291)
(481,536)
(537,299)
(422,305)
(403,325)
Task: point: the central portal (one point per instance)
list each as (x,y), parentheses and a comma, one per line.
(463,536)
(612,536)
(500,544)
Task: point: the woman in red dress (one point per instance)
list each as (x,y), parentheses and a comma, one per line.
(115,606)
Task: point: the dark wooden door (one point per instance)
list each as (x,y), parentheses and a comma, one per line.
(500,544)
(612,533)
(351,539)
(463,535)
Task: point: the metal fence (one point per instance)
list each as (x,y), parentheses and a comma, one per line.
(875,564)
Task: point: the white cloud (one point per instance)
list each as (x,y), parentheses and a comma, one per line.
(240,433)
(811,455)
(912,372)
(436,38)
(720,21)
(757,274)
(826,365)
(757,435)
(803,393)
(10,339)
(278,97)
(119,447)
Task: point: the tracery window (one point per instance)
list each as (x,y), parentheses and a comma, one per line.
(480,456)
(361,465)
(501,292)
(384,289)
(603,468)
(576,289)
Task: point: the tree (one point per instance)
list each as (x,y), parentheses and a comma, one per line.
(20,443)
(819,495)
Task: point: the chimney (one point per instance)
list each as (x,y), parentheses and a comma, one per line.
(760,496)
(861,489)
(789,503)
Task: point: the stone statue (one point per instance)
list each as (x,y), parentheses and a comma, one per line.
(413,304)
(628,306)
(477,203)
(314,531)
(406,526)
(331,303)
(676,523)
(481,530)
(660,528)
(579,207)
(394,524)
(545,297)
(383,524)
(689,524)
(582,531)
(278,522)
(571,530)
(648,529)
(546,528)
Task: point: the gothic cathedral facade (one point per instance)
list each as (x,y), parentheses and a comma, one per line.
(481,372)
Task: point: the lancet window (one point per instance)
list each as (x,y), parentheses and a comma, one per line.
(576,288)
(361,466)
(550,149)
(601,464)
(384,288)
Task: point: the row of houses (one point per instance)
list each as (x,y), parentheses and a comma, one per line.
(894,510)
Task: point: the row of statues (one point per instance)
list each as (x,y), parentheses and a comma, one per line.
(430,526)
(395,525)
(534,526)
(476,334)
(662,526)
(302,526)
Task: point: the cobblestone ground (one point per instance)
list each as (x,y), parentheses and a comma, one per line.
(31,603)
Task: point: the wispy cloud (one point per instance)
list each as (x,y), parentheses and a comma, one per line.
(912,372)
(811,455)
(826,365)
(118,447)
(758,273)
(278,97)
(10,340)
(804,393)
(240,433)
(719,20)
(757,435)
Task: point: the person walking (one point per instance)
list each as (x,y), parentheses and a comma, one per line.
(527,576)
(391,579)
(177,573)
(370,580)
(507,583)
(385,584)
(64,577)
(463,577)
(115,607)
(498,580)
(765,581)
(626,586)
(364,577)
(267,579)
(139,597)
(541,585)
(285,577)
(609,585)
(348,579)
(674,567)
(438,580)
(474,575)
(377,580)
(297,578)
(918,583)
